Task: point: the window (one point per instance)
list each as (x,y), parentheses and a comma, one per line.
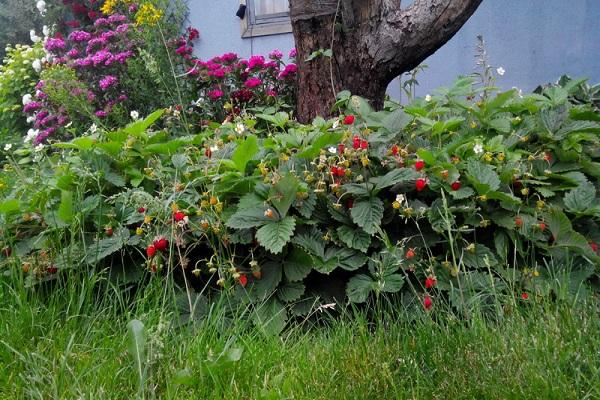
(266,17)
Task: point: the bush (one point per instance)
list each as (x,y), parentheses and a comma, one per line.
(19,73)
(453,197)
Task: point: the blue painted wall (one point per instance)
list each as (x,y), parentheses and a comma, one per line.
(535,41)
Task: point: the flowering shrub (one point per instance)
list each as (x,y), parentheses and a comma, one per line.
(19,74)
(447,199)
(226,85)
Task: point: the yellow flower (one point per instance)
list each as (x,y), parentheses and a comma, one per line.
(109,6)
(148,14)
(139,231)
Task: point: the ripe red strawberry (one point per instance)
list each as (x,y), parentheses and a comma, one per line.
(419,165)
(141,210)
(341,172)
(427,302)
(420,184)
(334,170)
(594,246)
(178,216)
(108,231)
(349,119)
(243,280)
(341,148)
(356,143)
(542,226)
(394,150)
(208,153)
(524,295)
(364,144)
(51,269)
(150,251)
(410,253)
(161,244)
(455,185)
(430,282)
(518,222)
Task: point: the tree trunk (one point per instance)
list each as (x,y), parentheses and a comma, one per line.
(372,42)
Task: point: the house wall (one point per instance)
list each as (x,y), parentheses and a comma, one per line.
(535,41)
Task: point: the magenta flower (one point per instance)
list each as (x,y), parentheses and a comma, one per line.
(275,55)
(107,82)
(293,53)
(256,62)
(215,94)
(79,36)
(32,106)
(54,44)
(252,82)
(101,114)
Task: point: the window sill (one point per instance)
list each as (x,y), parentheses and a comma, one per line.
(276,28)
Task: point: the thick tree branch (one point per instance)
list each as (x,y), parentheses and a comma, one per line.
(407,37)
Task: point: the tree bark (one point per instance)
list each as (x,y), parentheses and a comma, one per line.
(372,41)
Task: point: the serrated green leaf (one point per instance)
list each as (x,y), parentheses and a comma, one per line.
(354,238)
(291,291)
(344,258)
(397,120)
(398,175)
(581,198)
(312,242)
(392,283)
(298,265)
(245,152)
(306,206)
(107,246)
(359,287)
(271,316)
(266,285)
(179,160)
(462,193)
(283,193)
(248,218)
(275,234)
(483,177)
(367,213)
(481,257)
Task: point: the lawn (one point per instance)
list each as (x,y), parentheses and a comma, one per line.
(75,343)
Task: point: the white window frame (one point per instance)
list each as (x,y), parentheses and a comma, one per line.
(274,24)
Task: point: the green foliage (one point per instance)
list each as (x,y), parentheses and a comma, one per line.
(448,199)
(17,78)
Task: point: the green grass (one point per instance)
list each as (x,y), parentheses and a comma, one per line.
(73,343)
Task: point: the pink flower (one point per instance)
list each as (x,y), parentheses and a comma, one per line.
(275,55)
(252,82)
(256,62)
(215,94)
(107,82)
(293,53)
(79,36)
(101,114)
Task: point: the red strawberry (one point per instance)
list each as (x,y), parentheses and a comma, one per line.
(419,165)
(350,204)
(356,143)
(518,222)
(341,148)
(341,172)
(150,251)
(334,170)
(394,150)
(108,231)
(179,216)
(243,280)
(161,244)
(594,246)
(455,185)
(349,119)
(410,253)
(420,184)
(427,302)
(208,153)
(430,282)
(51,269)
(524,295)
(141,210)
(542,226)
(364,144)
